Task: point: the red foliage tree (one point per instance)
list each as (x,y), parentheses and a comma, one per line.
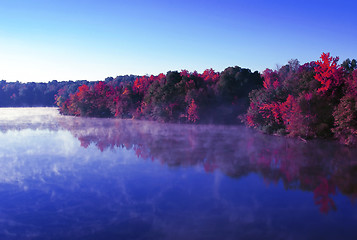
(328,73)
(192,112)
(346,120)
(142,84)
(293,117)
(210,75)
(271,79)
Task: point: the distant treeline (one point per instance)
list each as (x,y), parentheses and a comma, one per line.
(34,94)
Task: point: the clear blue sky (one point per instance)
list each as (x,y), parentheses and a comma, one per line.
(42,40)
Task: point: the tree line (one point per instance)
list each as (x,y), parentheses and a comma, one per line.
(208,97)
(39,94)
(313,100)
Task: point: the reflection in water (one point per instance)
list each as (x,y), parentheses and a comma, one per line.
(85,178)
(319,166)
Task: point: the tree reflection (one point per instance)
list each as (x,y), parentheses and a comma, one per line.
(320,167)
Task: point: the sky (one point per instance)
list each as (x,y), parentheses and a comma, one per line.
(44,40)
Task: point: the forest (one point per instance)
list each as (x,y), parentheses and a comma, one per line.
(312,100)
(174,97)
(38,94)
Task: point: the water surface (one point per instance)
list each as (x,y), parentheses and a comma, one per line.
(64,177)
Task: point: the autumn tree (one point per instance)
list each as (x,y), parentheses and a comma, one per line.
(345,114)
(192,112)
(329,74)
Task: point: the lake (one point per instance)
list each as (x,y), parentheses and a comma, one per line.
(64,177)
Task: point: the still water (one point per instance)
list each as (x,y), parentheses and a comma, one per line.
(64,177)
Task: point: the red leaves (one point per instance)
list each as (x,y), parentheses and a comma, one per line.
(250,120)
(185,73)
(190,84)
(345,116)
(161,97)
(142,84)
(328,73)
(280,113)
(271,111)
(100,87)
(82,90)
(308,103)
(351,83)
(271,79)
(192,112)
(287,108)
(295,120)
(89,101)
(210,75)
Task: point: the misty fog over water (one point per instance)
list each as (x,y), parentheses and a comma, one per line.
(65,177)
